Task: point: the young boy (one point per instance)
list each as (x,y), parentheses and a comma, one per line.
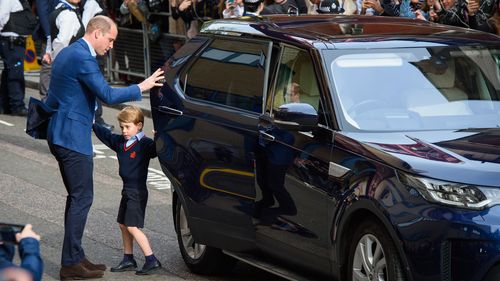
(134,150)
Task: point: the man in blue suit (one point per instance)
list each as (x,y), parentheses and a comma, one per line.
(76,82)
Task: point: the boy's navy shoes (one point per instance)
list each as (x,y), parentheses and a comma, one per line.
(149,268)
(125,266)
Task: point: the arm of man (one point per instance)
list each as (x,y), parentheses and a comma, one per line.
(42,7)
(4,14)
(93,79)
(106,136)
(90,9)
(66,31)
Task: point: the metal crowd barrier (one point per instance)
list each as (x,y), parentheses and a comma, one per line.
(134,55)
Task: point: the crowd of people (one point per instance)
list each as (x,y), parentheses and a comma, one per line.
(482,15)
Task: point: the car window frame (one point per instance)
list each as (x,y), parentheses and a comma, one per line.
(184,73)
(322,94)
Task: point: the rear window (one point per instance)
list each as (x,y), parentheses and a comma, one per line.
(229,73)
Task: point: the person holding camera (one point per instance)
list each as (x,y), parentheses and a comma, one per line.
(233,9)
(253,7)
(480,12)
(31,267)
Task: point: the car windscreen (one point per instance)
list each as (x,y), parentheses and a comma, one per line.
(411,89)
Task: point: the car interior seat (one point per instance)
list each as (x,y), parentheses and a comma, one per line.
(307,80)
(432,99)
(445,82)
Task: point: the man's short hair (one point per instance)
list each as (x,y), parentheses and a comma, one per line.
(100,22)
(131,114)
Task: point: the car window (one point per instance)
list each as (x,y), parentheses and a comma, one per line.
(296,80)
(231,73)
(430,88)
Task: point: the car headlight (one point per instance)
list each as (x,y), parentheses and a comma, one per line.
(453,194)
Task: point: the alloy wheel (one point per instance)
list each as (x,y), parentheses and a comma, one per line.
(194,250)
(369,262)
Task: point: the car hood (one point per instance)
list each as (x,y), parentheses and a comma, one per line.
(469,156)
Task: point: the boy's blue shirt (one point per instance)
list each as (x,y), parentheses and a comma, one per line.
(137,137)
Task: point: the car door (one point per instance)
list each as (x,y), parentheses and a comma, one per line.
(221,94)
(293,189)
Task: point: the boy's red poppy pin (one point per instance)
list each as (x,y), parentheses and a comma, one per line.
(132,155)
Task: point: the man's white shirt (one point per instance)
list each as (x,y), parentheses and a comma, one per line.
(7,7)
(68,24)
(90,9)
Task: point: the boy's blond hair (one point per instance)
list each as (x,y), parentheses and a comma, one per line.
(131,114)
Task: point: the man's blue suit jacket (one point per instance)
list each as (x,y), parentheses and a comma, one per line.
(76,81)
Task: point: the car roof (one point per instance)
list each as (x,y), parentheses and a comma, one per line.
(342,31)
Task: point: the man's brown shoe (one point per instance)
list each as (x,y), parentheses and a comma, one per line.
(78,271)
(93,266)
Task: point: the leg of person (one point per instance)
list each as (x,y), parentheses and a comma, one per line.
(4,98)
(134,219)
(152,263)
(43,87)
(4,94)
(14,59)
(76,170)
(128,262)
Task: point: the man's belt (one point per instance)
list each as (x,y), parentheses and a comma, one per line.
(15,40)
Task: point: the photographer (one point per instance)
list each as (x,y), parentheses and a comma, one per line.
(31,267)
(479,12)
(253,7)
(233,9)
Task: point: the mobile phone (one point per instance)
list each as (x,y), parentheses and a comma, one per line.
(8,232)
(230,2)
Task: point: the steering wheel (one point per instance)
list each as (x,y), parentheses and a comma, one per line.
(365,105)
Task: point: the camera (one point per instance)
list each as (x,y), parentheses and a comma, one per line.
(8,232)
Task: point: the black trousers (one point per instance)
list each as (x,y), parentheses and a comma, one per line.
(12,88)
(76,170)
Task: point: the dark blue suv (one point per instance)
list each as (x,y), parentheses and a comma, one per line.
(355,148)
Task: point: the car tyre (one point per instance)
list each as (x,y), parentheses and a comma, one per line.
(373,256)
(199,258)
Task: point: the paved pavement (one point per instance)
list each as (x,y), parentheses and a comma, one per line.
(32,79)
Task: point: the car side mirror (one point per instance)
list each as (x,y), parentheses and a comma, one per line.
(296,117)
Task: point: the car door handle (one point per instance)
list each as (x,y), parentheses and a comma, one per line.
(266,136)
(169,110)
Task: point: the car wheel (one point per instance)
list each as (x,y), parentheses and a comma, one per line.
(373,256)
(199,258)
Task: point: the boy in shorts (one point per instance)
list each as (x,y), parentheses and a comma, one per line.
(134,150)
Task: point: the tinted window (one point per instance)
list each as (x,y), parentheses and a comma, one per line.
(412,89)
(230,73)
(296,80)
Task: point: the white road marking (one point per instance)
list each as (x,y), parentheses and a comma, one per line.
(98,147)
(156,171)
(157,179)
(6,123)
